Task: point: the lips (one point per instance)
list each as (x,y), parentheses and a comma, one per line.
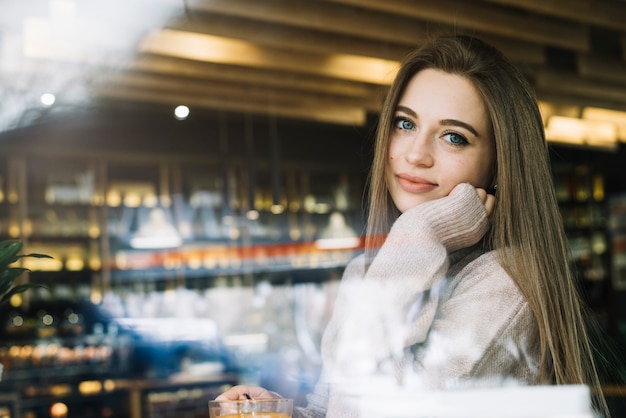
(413,184)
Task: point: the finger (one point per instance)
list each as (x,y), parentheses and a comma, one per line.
(490,203)
(233,394)
(256,392)
(242,392)
(482,193)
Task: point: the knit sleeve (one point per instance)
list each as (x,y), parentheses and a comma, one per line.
(483,331)
(377,310)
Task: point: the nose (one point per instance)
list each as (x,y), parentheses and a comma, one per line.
(419,151)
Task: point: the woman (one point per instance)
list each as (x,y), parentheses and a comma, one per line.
(464,239)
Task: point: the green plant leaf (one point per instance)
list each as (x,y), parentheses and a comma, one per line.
(5,282)
(18,289)
(8,252)
(13,272)
(35,255)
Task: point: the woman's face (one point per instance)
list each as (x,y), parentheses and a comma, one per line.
(441,137)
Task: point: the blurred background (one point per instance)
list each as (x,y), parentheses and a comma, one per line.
(197,169)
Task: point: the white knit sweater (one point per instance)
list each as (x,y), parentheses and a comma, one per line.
(431,308)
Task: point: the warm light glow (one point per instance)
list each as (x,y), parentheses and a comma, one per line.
(617,117)
(601,133)
(132,200)
(94,231)
(295,233)
(14,230)
(607,115)
(114,198)
(58,409)
(321,207)
(16,301)
(95,263)
(74,263)
(96,295)
(150,200)
(194,263)
(563,129)
(209,48)
(277,209)
(581,132)
(13,196)
(89,387)
(109,385)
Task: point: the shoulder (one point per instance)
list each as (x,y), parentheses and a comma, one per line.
(356,267)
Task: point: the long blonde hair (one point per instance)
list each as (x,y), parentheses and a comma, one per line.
(526,220)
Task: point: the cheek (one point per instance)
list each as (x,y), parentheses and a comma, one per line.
(482,177)
(472,173)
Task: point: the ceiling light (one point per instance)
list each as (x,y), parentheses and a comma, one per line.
(577,131)
(181,112)
(47,99)
(617,117)
(337,234)
(156,233)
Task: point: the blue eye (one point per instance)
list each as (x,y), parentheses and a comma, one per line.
(455,138)
(403,123)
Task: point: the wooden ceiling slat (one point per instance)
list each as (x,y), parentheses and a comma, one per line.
(287,37)
(603,69)
(278,35)
(242,90)
(475,15)
(200,47)
(321,16)
(573,85)
(329,113)
(570,100)
(201,71)
(605,13)
(332,19)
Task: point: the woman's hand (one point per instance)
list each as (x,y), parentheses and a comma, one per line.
(488,200)
(241,392)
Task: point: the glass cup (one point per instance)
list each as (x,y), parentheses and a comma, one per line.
(257,408)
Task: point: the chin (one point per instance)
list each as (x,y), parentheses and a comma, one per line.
(404,206)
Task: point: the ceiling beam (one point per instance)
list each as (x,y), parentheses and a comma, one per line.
(610,14)
(276,35)
(357,22)
(242,90)
(201,71)
(600,68)
(570,85)
(329,114)
(495,20)
(210,48)
(321,16)
(289,33)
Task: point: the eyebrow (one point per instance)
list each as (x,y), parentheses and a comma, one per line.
(444,122)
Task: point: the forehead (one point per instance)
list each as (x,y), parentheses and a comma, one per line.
(436,84)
